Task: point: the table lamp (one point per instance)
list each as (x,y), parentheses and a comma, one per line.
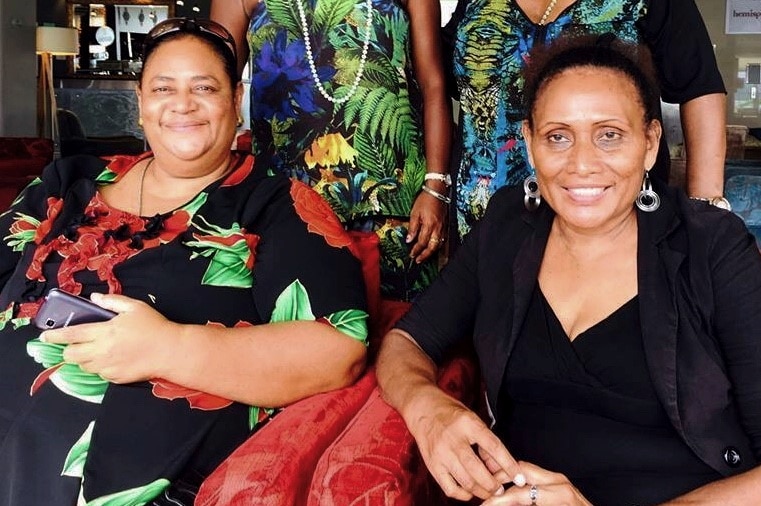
(51,41)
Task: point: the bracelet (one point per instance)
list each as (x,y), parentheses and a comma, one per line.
(436,176)
(720,202)
(435,194)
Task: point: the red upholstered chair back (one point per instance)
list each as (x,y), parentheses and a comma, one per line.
(21,160)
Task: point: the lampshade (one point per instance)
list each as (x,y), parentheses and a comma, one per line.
(57,40)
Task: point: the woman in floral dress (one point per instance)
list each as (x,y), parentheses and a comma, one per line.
(335,103)
(221,320)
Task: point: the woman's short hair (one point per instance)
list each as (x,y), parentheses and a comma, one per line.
(597,51)
(214,34)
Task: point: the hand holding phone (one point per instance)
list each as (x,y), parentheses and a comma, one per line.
(62,309)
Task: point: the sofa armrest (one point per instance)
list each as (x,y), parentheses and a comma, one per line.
(274,466)
(376,461)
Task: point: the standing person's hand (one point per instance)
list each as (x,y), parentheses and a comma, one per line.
(447,433)
(544,488)
(427,226)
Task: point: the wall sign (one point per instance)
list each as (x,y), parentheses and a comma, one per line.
(743,16)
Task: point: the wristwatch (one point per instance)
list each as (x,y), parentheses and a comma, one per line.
(436,176)
(719,202)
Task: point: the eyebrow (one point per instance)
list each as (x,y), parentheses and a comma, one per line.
(197,78)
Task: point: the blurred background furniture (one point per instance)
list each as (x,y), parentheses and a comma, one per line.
(742,187)
(21,160)
(74,140)
(51,41)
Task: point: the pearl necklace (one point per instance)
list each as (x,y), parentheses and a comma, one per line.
(362,61)
(547,12)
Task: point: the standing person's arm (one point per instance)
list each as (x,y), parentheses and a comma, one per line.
(428,216)
(704,129)
(235,16)
(689,75)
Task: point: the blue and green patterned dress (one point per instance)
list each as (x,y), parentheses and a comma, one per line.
(491,45)
(365,156)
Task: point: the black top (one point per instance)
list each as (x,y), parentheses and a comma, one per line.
(231,256)
(588,409)
(699,286)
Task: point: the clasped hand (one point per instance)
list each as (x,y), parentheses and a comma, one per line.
(132,346)
(467,459)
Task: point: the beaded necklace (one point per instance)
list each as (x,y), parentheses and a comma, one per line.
(313,66)
(547,12)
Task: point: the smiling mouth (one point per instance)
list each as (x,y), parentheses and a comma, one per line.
(586,192)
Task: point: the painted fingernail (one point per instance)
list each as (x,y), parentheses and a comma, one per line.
(500,490)
(519,480)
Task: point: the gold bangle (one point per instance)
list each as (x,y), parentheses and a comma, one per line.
(435,194)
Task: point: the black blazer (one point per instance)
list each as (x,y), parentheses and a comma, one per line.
(699,277)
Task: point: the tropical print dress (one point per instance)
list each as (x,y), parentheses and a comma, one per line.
(232,256)
(365,156)
(490,50)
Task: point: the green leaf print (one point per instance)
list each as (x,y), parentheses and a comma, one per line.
(105,177)
(351,322)
(292,305)
(68,378)
(6,316)
(75,460)
(230,251)
(138,496)
(255,415)
(285,14)
(329,14)
(22,231)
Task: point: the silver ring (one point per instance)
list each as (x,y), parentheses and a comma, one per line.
(533,493)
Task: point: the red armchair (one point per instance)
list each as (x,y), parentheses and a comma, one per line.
(339,448)
(21,160)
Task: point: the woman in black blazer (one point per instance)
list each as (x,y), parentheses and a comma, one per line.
(616,321)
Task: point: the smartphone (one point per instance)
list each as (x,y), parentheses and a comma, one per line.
(61,309)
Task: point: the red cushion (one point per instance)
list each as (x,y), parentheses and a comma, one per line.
(274,467)
(375,460)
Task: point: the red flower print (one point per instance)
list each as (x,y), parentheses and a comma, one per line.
(54,208)
(318,216)
(198,400)
(28,309)
(21,226)
(172,227)
(240,173)
(120,164)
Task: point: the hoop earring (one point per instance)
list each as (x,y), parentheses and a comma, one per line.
(532,197)
(239,123)
(647,200)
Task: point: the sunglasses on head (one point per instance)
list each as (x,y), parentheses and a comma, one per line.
(189,25)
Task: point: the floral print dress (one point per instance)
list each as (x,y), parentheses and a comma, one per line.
(491,45)
(365,156)
(247,250)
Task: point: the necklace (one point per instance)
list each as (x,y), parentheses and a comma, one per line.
(140,188)
(547,12)
(362,60)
